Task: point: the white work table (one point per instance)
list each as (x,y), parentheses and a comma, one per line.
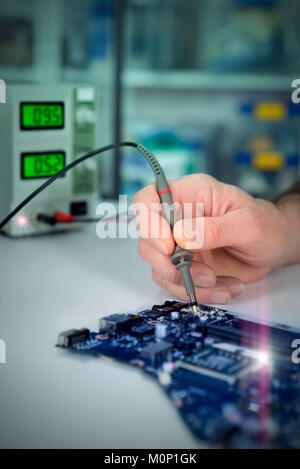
(53,399)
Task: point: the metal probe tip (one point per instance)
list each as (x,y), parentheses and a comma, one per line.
(194,304)
(184,268)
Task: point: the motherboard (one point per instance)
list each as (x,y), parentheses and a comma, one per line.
(231,379)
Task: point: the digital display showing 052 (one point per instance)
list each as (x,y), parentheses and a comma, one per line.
(42,116)
(41,165)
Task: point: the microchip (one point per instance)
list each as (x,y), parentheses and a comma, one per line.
(72,337)
(142,329)
(156,350)
(154,314)
(116,323)
(217,364)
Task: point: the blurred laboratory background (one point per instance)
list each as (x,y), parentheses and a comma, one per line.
(205,84)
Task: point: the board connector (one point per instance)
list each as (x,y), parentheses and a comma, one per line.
(72,337)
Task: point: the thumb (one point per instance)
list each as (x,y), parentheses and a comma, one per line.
(206,233)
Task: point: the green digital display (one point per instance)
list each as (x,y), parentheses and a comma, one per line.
(42,116)
(41,165)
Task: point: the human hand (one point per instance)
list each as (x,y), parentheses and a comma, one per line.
(244,238)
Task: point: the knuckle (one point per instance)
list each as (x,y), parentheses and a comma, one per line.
(203,178)
(208,178)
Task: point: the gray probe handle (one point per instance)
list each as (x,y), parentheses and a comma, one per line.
(179,256)
(171,216)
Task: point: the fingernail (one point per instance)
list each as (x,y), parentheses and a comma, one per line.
(159,245)
(220,297)
(204,281)
(236,288)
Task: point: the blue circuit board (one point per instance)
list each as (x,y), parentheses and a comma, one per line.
(231,379)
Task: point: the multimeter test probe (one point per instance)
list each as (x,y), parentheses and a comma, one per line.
(181,258)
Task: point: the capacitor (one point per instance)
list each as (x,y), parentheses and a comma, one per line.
(203,318)
(160,331)
(220,315)
(175,315)
(168,367)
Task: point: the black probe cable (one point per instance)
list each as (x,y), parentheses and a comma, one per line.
(62,173)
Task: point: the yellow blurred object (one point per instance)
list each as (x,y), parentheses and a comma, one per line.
(268,160)
(270,111)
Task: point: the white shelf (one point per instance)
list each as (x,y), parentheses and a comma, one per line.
(191,79)
(88,75)
(148,79)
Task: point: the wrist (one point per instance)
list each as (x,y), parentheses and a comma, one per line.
(289,207)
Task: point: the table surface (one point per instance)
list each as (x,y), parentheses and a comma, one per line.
(53,399)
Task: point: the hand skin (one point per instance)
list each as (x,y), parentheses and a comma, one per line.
(244,238)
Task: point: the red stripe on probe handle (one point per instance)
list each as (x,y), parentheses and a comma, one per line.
(164,191)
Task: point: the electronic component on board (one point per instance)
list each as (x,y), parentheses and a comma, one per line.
(116,323)
(161,331)
(153,314)
(142,330)
(157,351)
(218,364)
(73,336)
(175,315)
(226,383)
